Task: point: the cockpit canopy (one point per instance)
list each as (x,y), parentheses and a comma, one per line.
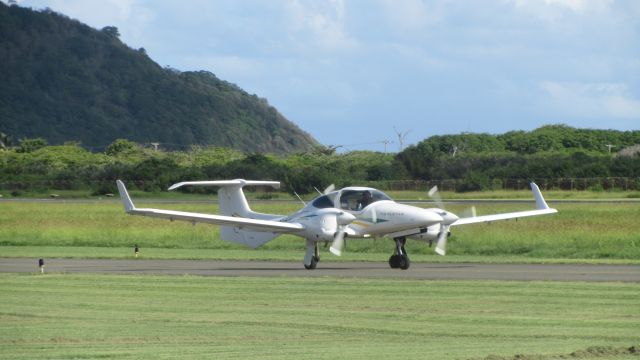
(352,199)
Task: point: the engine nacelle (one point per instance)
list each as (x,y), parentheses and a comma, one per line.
(428,236)
(323,225)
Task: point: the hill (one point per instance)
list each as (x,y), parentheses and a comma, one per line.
(65,81)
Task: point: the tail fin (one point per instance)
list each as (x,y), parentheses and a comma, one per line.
(233,203)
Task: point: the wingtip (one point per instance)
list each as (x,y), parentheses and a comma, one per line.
(541,204)
(124,196)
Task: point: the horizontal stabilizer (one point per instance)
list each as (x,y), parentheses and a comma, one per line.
(223,183)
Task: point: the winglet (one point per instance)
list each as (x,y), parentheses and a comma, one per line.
(124,195)
(540,203)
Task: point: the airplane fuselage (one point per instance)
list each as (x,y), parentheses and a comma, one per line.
(380,217)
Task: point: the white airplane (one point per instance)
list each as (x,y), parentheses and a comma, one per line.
(354,212)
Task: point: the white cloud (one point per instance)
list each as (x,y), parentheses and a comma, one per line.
(409,15)
(592,100)
(319,25)
(576,6)
(561,14)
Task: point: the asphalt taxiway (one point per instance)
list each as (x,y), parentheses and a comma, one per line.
(418,271)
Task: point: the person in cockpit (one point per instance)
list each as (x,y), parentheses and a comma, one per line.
(366,200)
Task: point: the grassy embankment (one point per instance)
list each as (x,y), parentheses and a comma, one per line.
(603,232)
(137,317)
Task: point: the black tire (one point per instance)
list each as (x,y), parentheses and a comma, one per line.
(404,262)
(314,263)
(394,261)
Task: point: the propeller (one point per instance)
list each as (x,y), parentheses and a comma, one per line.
(469,212)
(435,195)
(343,220)
(337,246)
(329,189)
(449,218)
(441,246)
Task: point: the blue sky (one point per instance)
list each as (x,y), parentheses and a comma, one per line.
(359,72)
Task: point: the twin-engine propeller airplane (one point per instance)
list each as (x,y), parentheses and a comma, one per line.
(354,212)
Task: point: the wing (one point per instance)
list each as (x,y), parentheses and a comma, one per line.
(254,224)
(541,209)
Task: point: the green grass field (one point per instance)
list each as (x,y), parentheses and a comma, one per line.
(596,231)
(64,316)
(137,317)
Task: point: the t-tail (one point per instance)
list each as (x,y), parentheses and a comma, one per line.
(238,222)
(233,202)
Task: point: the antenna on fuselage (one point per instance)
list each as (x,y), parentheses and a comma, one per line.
(299,198)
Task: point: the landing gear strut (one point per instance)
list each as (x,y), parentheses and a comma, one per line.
(312,256)
(399,259)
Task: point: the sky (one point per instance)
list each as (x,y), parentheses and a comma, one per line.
(361,73)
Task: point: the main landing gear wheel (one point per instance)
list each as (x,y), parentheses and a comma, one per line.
(400,259)
(399,262)
(314,263)
(394,261)
(404,262)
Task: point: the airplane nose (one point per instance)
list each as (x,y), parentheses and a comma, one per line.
(344,218)
(449,218)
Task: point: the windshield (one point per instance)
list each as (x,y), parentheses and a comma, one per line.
(322,202)
(359,199)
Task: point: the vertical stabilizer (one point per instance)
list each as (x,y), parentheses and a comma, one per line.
(232,202)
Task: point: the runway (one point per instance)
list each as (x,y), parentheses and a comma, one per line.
(418,271)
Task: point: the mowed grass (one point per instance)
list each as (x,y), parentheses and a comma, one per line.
(137,317)
(609,231)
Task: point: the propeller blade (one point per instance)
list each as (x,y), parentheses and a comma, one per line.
(435,195)
(441,247)
(343,219)
(469,212)
(329,189)
(338,243)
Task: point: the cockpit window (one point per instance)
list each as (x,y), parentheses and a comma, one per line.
(322,202)
(356,200)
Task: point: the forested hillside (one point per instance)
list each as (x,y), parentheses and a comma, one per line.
(482,163)
(65,81)
(549,152)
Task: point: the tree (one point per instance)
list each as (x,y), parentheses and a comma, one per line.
(5,141)
(31,145)
(120,146)
(111,31)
